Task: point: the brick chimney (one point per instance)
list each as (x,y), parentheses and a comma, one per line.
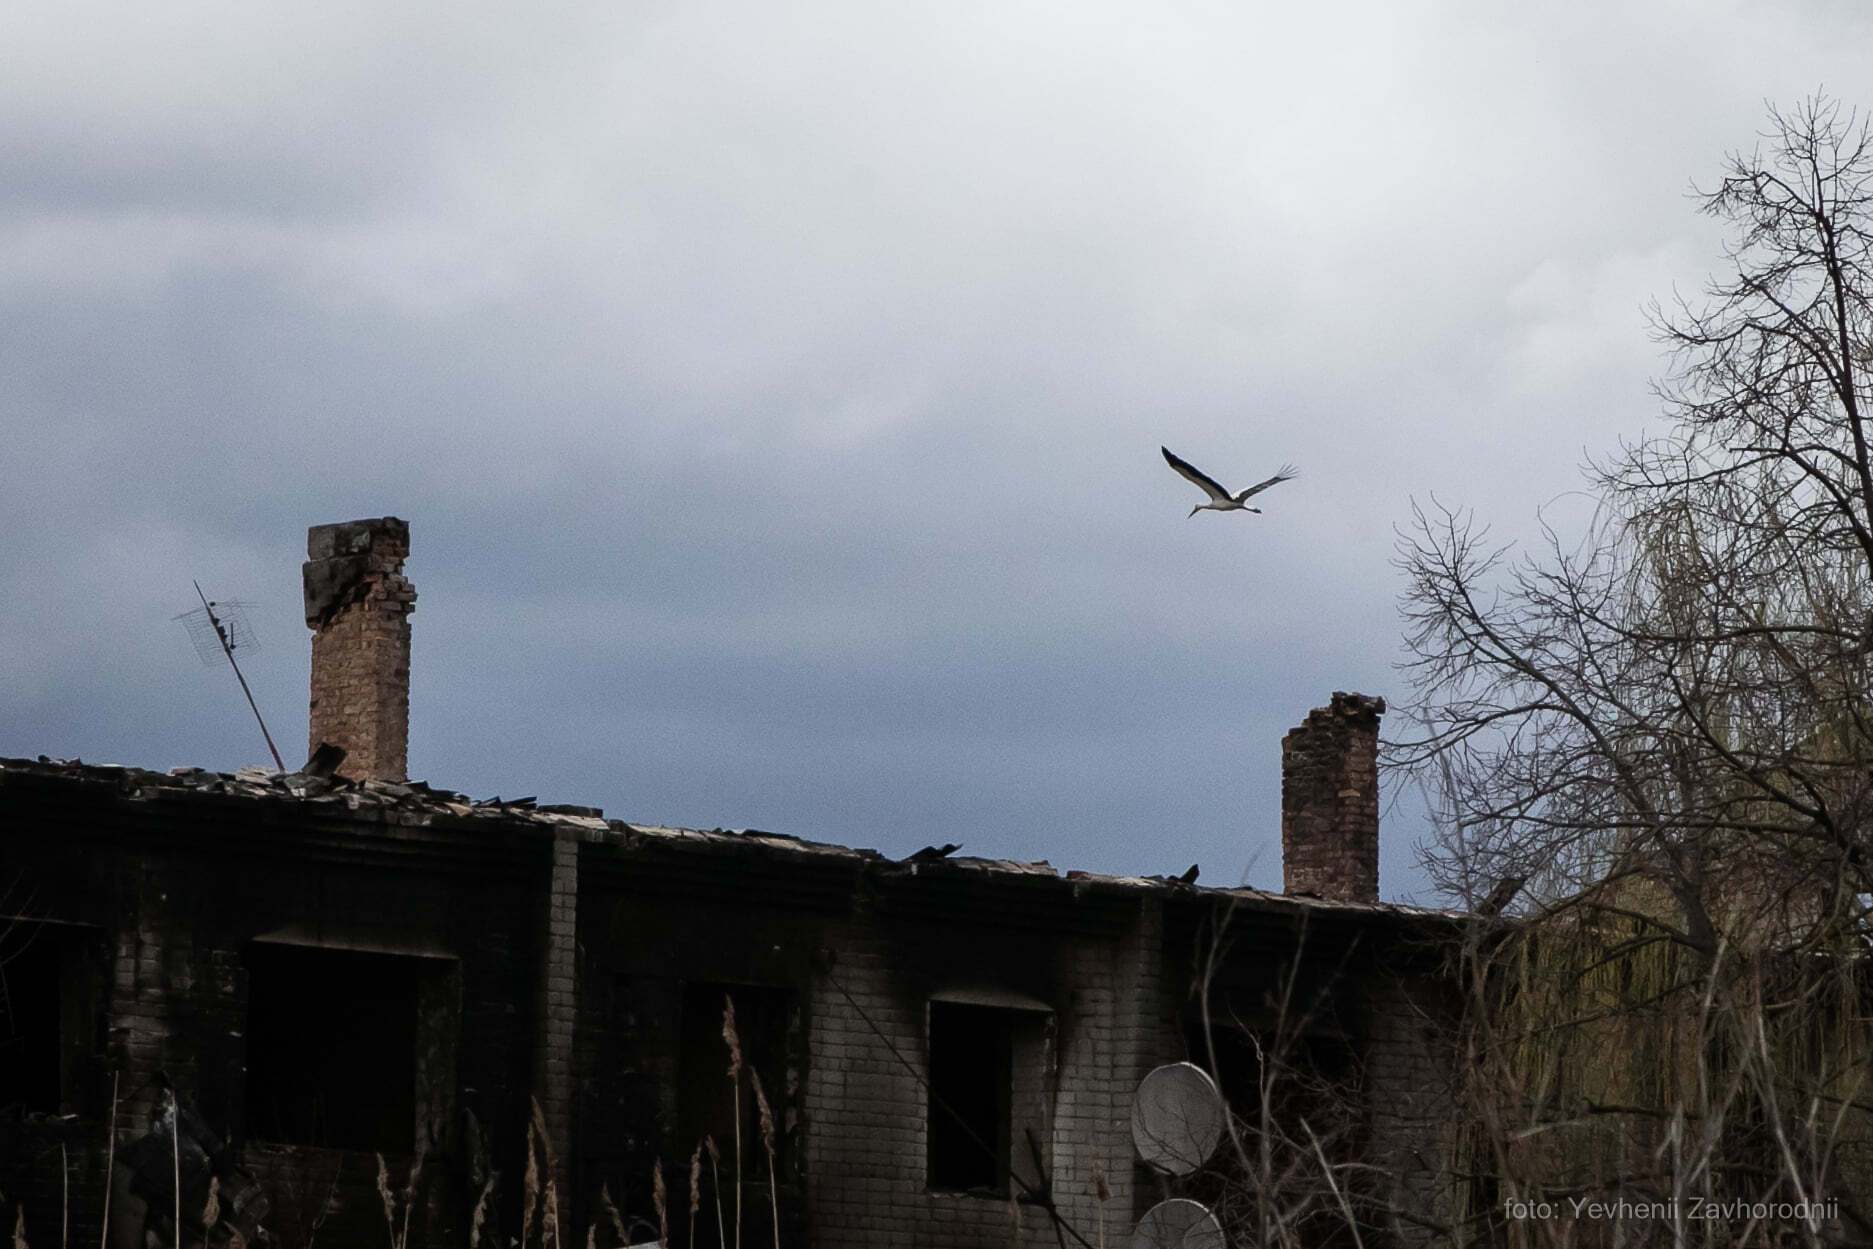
(358,605)
(1330,801)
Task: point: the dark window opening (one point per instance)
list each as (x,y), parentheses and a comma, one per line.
(331,1048)
(1302,1077)
(40,1016)
(971,1076)
(1302,1073)
(1238,1053)
(708,1102)
(1294,1078)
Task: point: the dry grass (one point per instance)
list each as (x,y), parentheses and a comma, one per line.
(211,1209)
(539,1218)
(175,1140)
(768,1144)
(324,1212)
(611,1210)
(659,1200)
(110,1164)
(695,1190)
(715,1170)
(480,1216)
(734,1074)
(530,1189)
(546,1192)
(399,1231)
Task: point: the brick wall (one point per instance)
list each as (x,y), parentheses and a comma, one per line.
(867,1105)
(1410,1079)
(558,1010)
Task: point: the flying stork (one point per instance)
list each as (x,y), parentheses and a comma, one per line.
(1220,499)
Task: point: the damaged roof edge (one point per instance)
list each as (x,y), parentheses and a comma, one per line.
(417,803)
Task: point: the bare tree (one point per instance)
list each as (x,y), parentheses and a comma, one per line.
(1291,1169)
(1666,729)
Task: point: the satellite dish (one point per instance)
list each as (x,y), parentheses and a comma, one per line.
(1177,1118)
(1179,1224)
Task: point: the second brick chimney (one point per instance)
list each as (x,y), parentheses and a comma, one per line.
(358,605)
(1330,801)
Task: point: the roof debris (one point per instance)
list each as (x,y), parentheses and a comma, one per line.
(417,802)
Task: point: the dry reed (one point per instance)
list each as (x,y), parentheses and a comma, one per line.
(611,1210)
(175,1141)
(695,1190)
(734,1074)
(110,1163)
(715,1171)
(400,1238)
(409,1190)
(19,1227)
(327,1206)
(660,1201)
(768,1144)
(550,1192)
(211,1209)
(530,1189)
(480,1215)
(383,1193)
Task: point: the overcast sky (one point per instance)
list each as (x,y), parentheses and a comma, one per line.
(774,391)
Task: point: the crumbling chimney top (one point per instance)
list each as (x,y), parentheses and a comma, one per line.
(380,535)
(340,557)
(1330,801)
(1365,709)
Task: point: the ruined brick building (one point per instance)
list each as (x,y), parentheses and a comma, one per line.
(332,966)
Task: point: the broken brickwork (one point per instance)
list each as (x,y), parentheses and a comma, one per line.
(358,605)
(1330,801)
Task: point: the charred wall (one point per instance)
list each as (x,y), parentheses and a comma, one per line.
(834,972)
(264,957)
(1350,1015)
(664,938)
(1065,969)
(184,902)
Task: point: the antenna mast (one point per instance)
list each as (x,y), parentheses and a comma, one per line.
(227,645)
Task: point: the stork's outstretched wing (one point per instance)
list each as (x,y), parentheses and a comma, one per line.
(1286,474)
(1197,477)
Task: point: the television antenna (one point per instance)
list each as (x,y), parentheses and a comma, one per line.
(220,627)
